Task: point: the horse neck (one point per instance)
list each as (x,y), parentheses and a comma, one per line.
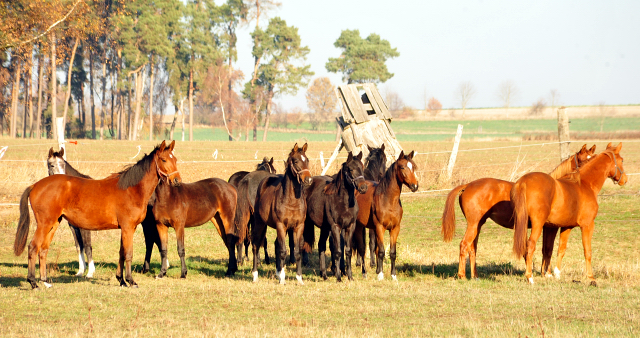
(393,185)
(564,168)
(291,188)
(594,173)
(149,182)
(71,171)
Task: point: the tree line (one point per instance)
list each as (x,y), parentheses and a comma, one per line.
(131,58)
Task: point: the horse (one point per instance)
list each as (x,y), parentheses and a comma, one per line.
(374,169)
(331,206)
(118,201)
(193,204)
(235,179)
(56,164)
(281,204)
(565,203)
(489,198)
(380,209)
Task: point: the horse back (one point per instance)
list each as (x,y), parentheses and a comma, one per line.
(572,204)
(365,205)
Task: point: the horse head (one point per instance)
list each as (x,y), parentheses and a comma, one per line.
(353,170)
(267,165)
(55,162)
(405,169)
(298,163)
(584,155)
(616,172)
(166,163)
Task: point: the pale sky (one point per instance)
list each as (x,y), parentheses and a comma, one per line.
(589,51)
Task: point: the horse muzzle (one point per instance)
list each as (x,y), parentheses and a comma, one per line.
(176,180)
(413,187)
(363,187)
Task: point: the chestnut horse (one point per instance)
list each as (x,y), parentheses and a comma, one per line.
(380,209)
(118,201)
(266,166)
(193,204)
(56,164)
(563,203)
(489,198)
(281,204)
(331,206)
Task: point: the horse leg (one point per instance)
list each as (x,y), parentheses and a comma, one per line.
(562,249)
(322,250)
(472,253)
(281,252)
(77,237)
(548,238)
(225,222)
(127,244)
(266,254)
(258,237)
(297,232)
(359,243)
(162,233)
(337,253)
(379,249)
(121,264)
(348,248)
(332,248)
(44,249)
(393,239)
(587,232)
(33,255)
(536,231)
(372,246)
(179,228)
(291,246)
(151,237)
(88,249)
(466,246)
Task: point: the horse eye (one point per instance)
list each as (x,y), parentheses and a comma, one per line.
(163,160)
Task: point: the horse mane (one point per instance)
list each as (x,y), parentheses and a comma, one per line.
(563,168)
(131,175)
(264,165)
(383,183)
(334,186)
(374,165)
(71,171)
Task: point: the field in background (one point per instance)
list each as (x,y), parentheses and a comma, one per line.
(427,300)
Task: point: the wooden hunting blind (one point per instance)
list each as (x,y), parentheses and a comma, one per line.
(365,121)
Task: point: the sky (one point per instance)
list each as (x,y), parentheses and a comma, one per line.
(588,51)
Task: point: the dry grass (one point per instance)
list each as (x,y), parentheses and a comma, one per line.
(427,300)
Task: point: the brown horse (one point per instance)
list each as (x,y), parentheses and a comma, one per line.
(57,165)
(118,201)
(489,198)
(281,204)
(380,209)
(193,204)
(563,203)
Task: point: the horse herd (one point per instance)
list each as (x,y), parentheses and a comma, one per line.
(150,192)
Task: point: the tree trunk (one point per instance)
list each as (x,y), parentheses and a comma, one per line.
(268,117)
(173,124)
(68,95)
(27,92)
(129,112)
(54,104)
(182,113)
(30,96)
(151,100)
(229,92)
(191,105)
(104,94)
(14,102)
(41,67)
(139,82)
(93,105)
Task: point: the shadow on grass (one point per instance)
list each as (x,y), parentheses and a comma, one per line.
(488,271)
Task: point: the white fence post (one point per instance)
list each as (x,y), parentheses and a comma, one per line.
(322,160)
(333,157)
(454,152)
(60,125)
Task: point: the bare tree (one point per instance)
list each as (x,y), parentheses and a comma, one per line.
(554,98)
(538,107)
(434,106)
(465,92)
(394,102)
(507,92)
(321,100)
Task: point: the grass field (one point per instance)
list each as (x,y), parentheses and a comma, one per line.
(427,300)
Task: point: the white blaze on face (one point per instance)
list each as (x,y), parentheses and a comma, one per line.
(410,166)
(588,157)
(303,158)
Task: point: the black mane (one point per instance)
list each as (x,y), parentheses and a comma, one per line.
(384,182)
(71,171)
(374,165)
(133,174)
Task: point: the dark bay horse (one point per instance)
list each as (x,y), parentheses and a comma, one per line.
(488,198)
(281,204)
(564,203)
(266,166)
(118,201)
(56,164)
(331,206)
(374,168)
(193,204)
(380,209)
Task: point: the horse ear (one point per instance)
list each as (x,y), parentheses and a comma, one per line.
(584,148)
(61,151)
(609,145)
(359,156)
(51,152)
(350,157)
(382,148)
(401,154)
(173,144)
(369,147)
(162,145)
(617,150)
(593,149)
(304,148)
(295,147)
(271,162)
(410,156)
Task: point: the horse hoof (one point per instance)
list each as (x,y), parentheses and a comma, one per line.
(160,276)
(255,276)
(299,278)
(364,275)
(556,272)
(394,278)
(47,285)
(381,276)
(531,280)
(80,273)
(593,283)
(89,275)
(183,276)
(548,275)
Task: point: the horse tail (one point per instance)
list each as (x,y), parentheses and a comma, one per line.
(241,218)
(449,214)
(521,217)
(23,225)
(309,236)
